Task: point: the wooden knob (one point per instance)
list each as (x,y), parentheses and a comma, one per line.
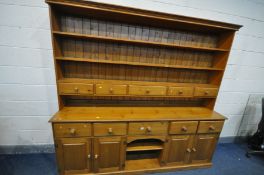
(96,156)
(110,130)
(184,128)
(211,128)
(148,129)
(180,92)
(147,91)
(111,90)
(189,150)
(72,131)
(76,89)
(206,92)
(193,149)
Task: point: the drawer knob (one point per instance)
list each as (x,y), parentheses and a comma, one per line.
(72,131)
(148,129)
(193,149)
(76,89)
(110,130)
(212,128)
(147,91)
(89,156)
(96,156)
(206,92)
(180,92)
(189,150)
(111,90)
(184,128)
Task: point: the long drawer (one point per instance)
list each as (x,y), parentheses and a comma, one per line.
(72,129)
(109,89)
(147,128)
(109,129)
(180,91)
(147,90)
(205,92)
(185,127)
(210,126)
(75,88)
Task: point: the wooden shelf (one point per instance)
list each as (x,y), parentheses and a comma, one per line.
(144,145)
(144,148)
(137,64)
(122,40)
(142,164)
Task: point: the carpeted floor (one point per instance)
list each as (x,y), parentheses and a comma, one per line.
(229,159)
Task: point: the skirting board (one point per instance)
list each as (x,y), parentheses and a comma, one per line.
(49,148)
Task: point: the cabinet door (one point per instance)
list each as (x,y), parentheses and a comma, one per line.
(179,149)
(73,155)
(203,148)
(109,154)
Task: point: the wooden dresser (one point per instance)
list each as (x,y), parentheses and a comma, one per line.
(136,88)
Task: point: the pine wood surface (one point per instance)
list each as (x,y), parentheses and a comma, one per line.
(108,114)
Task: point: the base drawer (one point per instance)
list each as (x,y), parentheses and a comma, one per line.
(109,129)
(186,127)
(147,128)
(210,126)
(72,129)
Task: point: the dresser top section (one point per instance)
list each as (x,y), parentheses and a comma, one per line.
(109,10)
(109,114)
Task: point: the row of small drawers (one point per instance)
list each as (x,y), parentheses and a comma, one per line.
(109,89)
(136,128)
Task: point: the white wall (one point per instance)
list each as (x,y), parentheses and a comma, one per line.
(27,80)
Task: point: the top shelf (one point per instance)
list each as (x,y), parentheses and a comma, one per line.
(122,40)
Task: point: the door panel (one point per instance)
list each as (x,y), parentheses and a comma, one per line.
(109,154)
(203,148)
(179,149)
(73,155)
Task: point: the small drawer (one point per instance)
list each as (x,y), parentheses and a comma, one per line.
(72,129)
(210,126)
(189,127)
(180,91)
(108,89)
(147,90)
(205,92)
(109,129)
(75,88)
(147,128)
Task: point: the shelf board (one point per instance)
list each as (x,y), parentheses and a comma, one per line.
(137,64)
(144,83)
(142,164)
(122,40)
(144,148)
